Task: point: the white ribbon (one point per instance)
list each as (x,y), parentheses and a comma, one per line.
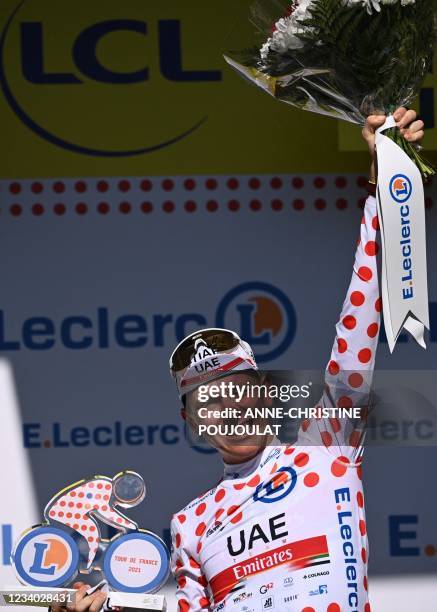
(401,212)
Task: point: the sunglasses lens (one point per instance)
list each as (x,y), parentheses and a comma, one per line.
(217,339)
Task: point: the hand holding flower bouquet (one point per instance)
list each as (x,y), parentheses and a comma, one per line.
(347,59)
(350,59)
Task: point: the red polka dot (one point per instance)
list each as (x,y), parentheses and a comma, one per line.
(194,563)
(364,555)
(219,513)
(15,188)
(203,581)
(219,495)
(297,182)
(304,426)
(333,607)
(239,486)
(168,206)
(298,204)
(59,209)
(58,187)
(62,503)
(182,518)
(37,210)
(375,223)
(189,184)
(237,518)
(341,204)
(378,305)
(15,210)
(360,499)
(340,182)
(200,529)
(308,609)
(211,206)
(80,186)
(254,183)
(199,546)
(355,439)
(255,205)
(37,187)
(301,459)
(124,186)
(77,515)
(75,526)
(357,298)
(233,205)
(204,602)
(200,509)
(69,515)
(167,185)
(339,466)
(344,402)
(365,583)
(190,206)
(211,184)
(184,606)
(84,528)
(289,450)
(276,182)
(362,181)
(182,581)
(326,438)
(232,509)
(365,355)
(146,185)
(341,345)
(178,540)
(362,526)
(372,330)
(333,368)
(81,208)
(319,182)
(335,425)
(102,186)
(52,513)
(311,479)
(233,183)
(277,205)
(253,482)
(125,208)
(320,204)
(61,514)
(355,380)
(365,273)
(371,248)
(103,208)
(146,207)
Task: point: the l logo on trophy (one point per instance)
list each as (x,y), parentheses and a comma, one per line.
(69,545)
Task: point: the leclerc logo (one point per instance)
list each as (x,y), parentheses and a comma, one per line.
(261,313)
(109,84)
(400,188)
(46,556)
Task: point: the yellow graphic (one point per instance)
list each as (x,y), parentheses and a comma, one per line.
(105,88)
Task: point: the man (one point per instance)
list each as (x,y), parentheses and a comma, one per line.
(285,528)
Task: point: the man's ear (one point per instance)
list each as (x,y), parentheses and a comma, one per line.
(184,413)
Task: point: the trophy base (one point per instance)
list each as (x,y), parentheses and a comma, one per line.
(45,598)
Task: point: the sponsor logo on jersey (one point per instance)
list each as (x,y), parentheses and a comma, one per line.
(400,188)
(242,597)
(288,581)
(297,555)
(273,530)
(322,589)
(317,574)
(279,486)
(268,603)
(265,587)
(290,598)
(347,535)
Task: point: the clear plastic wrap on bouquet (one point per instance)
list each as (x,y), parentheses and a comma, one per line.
(346,59)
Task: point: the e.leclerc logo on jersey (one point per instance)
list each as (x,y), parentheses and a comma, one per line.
(260,312)
(400,188)
(104,79)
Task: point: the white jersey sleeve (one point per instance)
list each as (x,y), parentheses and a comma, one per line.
(349,373)
(191,590)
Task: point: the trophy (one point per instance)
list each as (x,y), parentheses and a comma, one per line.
(130,566)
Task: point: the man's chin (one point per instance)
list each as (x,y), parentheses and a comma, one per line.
(241,448)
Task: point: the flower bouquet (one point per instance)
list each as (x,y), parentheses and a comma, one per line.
(343,58)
